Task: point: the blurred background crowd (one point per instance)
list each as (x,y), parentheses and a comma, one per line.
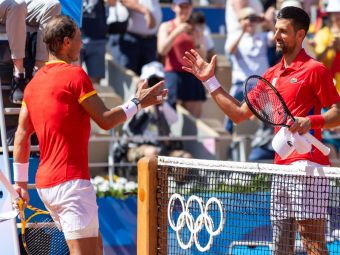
(147,39)
(140,38)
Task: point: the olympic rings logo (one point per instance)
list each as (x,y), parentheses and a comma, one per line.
(195,226)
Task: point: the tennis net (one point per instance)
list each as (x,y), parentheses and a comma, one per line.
(191,206)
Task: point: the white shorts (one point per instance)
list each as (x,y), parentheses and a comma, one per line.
(299,197)
(73,207)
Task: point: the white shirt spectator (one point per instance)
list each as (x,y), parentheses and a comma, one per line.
(231,18)
(251,54)
(137,22)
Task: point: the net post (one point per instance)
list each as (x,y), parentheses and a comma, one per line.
(147,206)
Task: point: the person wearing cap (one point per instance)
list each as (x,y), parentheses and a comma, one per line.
(174,38)
(150,123)
(327,42)
(306,86)
(233,7)
(247,49)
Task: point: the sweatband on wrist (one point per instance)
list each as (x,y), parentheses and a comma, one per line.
(211,84)
(130,109)
(316,121)
(20,172)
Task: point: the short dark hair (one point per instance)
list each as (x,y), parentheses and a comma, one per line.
(197,17)
(59,27)
(298,16)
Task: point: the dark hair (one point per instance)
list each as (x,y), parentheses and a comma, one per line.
(197,17)
(59,27)
(298,16)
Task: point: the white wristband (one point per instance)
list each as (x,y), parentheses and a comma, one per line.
(20,172)
(211,84)
(130,109)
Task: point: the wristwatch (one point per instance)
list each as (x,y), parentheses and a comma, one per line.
(136,102)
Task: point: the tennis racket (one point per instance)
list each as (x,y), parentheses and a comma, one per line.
(39,233)
(267,104)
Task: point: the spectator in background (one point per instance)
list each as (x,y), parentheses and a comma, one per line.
(15,14)
(174,38)
(233,7)
(94,38)
(149,124)
(198,19)
(327,49)
(138,45)
(247,49)
(327,42)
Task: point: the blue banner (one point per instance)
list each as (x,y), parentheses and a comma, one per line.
(73,9)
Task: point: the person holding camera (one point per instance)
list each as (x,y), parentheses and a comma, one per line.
(148,124)
(247,49)
(174,38)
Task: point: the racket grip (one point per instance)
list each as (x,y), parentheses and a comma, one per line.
(319,145)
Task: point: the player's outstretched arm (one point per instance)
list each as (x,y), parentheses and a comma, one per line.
(110,118)
(205,72)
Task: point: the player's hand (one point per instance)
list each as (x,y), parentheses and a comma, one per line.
(301,125)
(21,189)
(151,96)
(195,64)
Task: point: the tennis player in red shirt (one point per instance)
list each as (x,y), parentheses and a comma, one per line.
(306,86)
(58,104)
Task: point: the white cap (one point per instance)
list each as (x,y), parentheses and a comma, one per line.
(152,69)
(333,6)
(246,12)
(294,3)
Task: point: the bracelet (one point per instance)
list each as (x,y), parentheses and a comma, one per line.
(316,121)
(130,109)
(211,84)
(20,172)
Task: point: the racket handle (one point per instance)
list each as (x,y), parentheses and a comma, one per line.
(319,145)
(8,186)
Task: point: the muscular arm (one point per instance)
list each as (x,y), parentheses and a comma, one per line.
(22,140)
(22,143)
(196,65)
(231,107)
(104,117)
(110,118)
(332,116)
(332,119)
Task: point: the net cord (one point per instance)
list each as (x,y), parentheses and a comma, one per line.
(247,167)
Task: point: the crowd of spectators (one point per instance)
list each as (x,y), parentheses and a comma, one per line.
(249,47)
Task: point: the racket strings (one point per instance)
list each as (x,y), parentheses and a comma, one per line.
(43,237)
(265,102)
